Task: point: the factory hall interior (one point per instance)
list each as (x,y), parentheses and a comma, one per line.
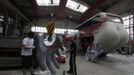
(66,37)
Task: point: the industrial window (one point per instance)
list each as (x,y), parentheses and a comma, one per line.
(57,30)
(113,18)
(1,18)
(128,23)
(70,4)
(128,20)
(48,2)
(76,6)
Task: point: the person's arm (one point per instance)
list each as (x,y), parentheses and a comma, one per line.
(24,44)
(61,46)
(73,47)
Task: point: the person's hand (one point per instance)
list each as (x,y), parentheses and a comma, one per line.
(66,51)
(25,46)
(33,47)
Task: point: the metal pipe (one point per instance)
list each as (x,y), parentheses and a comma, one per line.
(6,21)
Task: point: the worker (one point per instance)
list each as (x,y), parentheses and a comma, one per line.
(87,52)
(26,53)
(72,59)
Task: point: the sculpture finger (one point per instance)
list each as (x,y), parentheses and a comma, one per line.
(56,64)
(50,64)
(41,60)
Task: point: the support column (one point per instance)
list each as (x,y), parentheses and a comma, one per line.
(130,39)
(16,25)
(6,23)
(133,28)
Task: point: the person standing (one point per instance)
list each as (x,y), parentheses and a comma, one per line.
(26,53)
(87,52)
(72,59)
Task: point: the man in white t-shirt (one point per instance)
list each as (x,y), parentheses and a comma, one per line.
(26,53)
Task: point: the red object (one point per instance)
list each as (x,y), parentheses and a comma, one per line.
(88,31)
(61,59)
(66,38)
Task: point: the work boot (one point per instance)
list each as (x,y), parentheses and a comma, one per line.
(69,72)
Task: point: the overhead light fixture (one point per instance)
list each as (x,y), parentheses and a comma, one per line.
(52,14)
(76,6)
(57,30)
(48,2)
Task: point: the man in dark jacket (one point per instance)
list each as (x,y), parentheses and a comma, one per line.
(72,63)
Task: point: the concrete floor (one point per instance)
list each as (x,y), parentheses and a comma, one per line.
(113,64)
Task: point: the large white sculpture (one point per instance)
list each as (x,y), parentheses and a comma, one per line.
(109,33)
(46,50)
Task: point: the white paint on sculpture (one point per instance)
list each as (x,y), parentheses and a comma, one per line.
(111,36)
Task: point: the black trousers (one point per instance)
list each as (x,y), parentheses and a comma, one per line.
(72,63)
(27,61)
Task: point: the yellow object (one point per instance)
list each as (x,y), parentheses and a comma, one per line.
(50,27)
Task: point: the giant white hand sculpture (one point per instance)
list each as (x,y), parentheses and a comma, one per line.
(111,36)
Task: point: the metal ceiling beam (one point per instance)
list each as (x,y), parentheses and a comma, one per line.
(94,6)
(38,11)
(61,9)
(34,6)
(12,7)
